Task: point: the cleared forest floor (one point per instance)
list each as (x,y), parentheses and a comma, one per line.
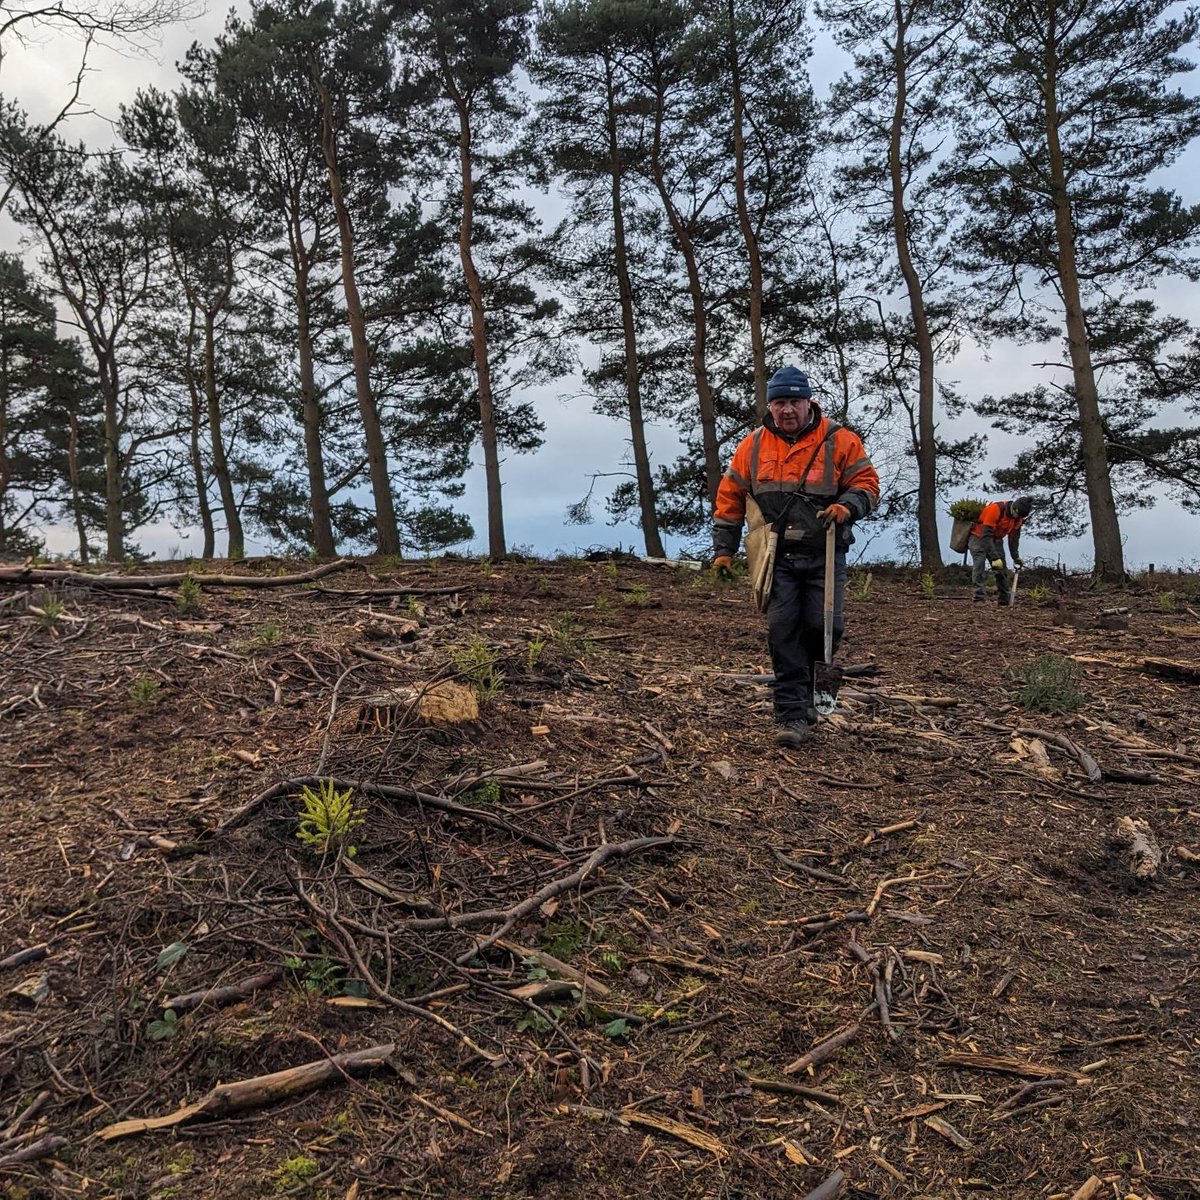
(719,906)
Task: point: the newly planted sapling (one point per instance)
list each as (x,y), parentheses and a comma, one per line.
(144,690)
(48,613)
(188,598)
(536,646)
(327,818)
(477,662)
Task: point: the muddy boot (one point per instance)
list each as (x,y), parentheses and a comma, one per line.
(793,734)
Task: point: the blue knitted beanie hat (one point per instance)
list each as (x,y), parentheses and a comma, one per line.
(788,382)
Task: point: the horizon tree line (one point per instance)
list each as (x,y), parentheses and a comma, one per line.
(308,284)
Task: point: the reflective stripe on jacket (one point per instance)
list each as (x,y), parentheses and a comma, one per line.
(835,467)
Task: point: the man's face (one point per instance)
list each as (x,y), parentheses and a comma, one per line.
(790,413)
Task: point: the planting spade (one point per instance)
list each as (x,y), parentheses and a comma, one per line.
(826,677)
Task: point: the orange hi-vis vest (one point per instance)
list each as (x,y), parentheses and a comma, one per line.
(827,463)
(996,521)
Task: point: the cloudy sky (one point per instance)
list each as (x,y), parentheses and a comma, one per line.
(539,487)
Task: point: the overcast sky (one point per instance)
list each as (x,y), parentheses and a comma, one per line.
(539,487)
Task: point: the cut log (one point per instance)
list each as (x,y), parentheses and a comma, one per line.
(1144,852)
(1168,668)
(259,1091)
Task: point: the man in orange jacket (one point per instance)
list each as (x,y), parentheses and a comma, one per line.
(806,473)
(999,519)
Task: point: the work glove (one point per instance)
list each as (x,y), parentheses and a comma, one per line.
(997,564)
(1019,563)
(722,566)
(838,513)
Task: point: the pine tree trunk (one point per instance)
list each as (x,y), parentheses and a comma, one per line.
(637,427)
(757,344)
(925,445)
(1106,530)
(233,519)
(310,412)
(704,397)
(479,337)
(76,491)
(5,468)
(388,537)
(114,517)
(202,504)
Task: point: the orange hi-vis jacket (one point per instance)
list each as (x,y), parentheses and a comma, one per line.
(995,523)
(827,464)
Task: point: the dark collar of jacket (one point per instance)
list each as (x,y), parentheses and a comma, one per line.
(814,419)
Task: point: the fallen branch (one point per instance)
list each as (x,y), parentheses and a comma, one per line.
(585,980)
(50,576)
(386,792)
(1009,1066)
(30,954)
(367,593)
(823,1050)
(337,933)
(259,1091)
(42,1148)
(556,887)
(886,830)
(945,1129)
(1028,1089)
(228,994)
(812,872)
(30,1111)
(884,884)
(788,1089)
(881,980)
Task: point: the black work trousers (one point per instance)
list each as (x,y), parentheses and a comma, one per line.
(796,627)
(983,553)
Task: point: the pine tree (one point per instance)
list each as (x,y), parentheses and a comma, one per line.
(27,411)
(593,136)
(98,252)
(464,110)
(751,56)
(894,112)
(1071,109)
(684,164)
(1147,367)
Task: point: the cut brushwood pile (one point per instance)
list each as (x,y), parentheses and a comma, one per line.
(489,877)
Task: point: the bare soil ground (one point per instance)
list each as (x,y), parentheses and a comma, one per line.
(594,926)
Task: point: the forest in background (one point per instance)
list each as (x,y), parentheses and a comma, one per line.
(308,285)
